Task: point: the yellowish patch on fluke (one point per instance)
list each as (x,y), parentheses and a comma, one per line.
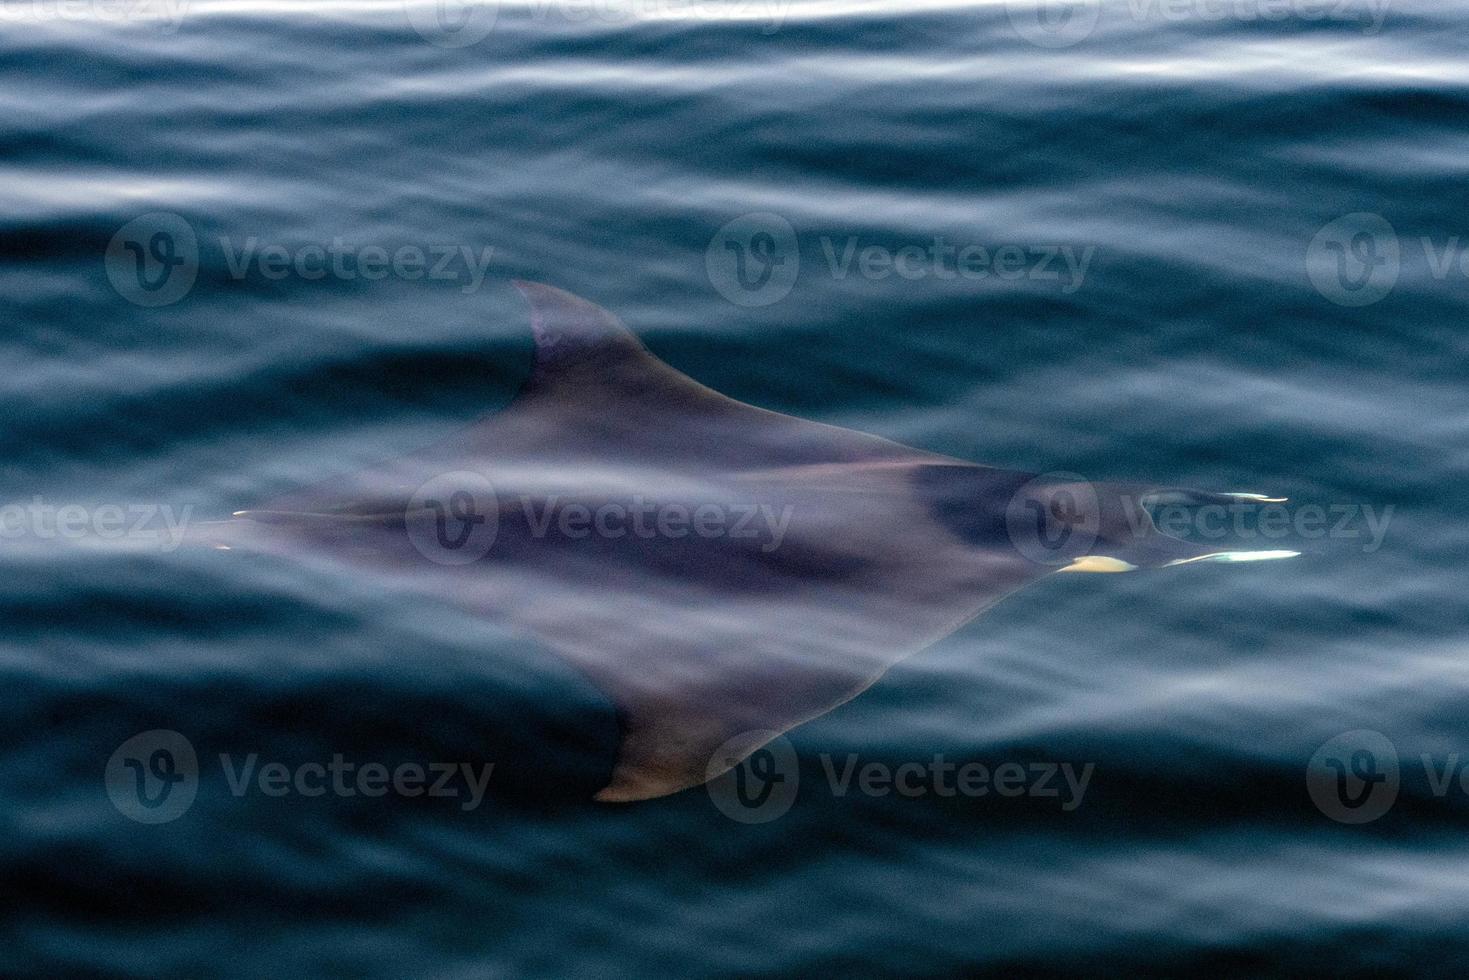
(1099,563)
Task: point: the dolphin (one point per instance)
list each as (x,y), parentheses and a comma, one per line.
(721,572)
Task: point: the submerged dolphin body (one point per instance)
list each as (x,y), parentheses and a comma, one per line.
(722,572)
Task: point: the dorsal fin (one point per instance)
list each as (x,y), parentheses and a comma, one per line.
(593,381)
(575,338)
(589,364)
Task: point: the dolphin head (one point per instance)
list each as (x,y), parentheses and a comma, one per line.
(1081,526)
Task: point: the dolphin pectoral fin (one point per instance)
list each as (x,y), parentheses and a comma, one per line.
(669,740)
(660,753)
(676,746)
(693,712)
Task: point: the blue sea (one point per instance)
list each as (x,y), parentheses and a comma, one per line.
(247,246)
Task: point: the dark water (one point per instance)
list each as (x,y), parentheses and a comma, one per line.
(1217,327)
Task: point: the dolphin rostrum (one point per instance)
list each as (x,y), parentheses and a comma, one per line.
(721,572)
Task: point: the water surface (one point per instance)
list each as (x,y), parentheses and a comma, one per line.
(1226,332)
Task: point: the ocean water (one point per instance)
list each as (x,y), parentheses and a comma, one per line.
(248,246)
